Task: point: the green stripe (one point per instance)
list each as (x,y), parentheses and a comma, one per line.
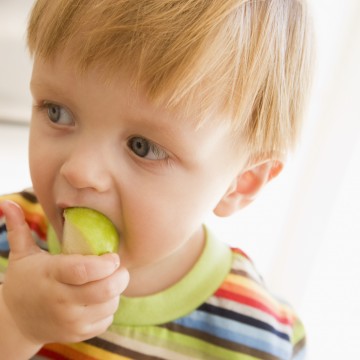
(298,332)
(3,264)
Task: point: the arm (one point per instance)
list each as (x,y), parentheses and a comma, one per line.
(45,298)
(11,337)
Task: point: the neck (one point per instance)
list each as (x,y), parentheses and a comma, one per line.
(152,278)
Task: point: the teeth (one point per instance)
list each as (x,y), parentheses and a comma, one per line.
(62,211)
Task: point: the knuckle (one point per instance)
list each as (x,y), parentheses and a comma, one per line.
(105,323)
(110,290)
(114,304)
(123,279)
(79,273)
(92,329)
(75,328)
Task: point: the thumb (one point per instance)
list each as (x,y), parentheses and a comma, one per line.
(19,236)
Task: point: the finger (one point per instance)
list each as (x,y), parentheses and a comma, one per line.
(86,323)
(82,269)
(96,328)
(100,291)
(90,319)
(19,236)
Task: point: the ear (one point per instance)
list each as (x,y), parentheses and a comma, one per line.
(246,186)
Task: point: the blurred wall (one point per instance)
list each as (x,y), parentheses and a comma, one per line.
(15,64)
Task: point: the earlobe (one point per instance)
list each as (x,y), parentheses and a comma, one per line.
(246,186)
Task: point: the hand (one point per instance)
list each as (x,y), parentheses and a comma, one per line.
(58,298)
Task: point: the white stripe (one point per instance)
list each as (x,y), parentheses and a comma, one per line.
(250,311)
(239,332)
(243,264)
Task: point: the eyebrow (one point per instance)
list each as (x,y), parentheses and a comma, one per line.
(43,86)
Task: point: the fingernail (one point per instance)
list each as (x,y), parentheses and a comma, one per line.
(115,259)
(10,208)
(7,202)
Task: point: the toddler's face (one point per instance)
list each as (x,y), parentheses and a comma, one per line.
(105,147)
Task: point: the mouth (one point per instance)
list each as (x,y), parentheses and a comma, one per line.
(61,212)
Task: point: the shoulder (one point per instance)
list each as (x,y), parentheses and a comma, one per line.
(257,316)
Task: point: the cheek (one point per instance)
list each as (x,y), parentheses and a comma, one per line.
(180,204)
(42,165)
(38,163)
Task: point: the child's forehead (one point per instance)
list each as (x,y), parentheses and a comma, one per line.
(61,76)
(179,65)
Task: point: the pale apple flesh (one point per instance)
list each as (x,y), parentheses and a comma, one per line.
(88,232)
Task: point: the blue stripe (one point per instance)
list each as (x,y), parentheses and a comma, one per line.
(232,315)
(237,332)
(4,245)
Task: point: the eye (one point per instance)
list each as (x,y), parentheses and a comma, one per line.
(146,149)
(58,114)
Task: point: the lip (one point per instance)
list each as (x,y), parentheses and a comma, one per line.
(61,208)
(61,214)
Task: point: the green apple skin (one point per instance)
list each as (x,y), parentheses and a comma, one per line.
(88,232)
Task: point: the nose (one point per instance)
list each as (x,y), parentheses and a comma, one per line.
(87,169)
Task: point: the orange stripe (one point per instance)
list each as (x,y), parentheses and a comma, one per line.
(96,352)
(245,287)
(240,252)
(239,289)
(250,284)
(69,352)
(83,351)
(34,213)
(243,291)
(38,223)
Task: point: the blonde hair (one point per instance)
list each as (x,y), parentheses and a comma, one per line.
(249,58)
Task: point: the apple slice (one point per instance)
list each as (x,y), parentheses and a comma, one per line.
(88,232)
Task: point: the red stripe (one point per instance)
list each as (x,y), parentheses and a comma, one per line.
(37,228)
(239,251)
(51,354)
(253,303)
(36,223)
(66,352)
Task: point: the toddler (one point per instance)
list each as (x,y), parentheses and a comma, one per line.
(155,113)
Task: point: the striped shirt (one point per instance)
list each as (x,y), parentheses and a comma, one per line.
(220,310)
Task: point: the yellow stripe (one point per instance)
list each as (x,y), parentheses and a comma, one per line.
(247,283)
(32,210)
(26,204)
(96,352)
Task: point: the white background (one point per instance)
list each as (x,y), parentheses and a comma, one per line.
(304,231)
